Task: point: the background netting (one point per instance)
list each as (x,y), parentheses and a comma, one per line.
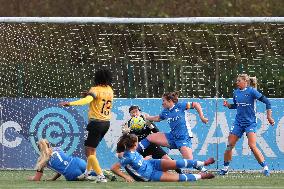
(42,63)
(59,60)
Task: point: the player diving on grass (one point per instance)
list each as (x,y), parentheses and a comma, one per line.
(55,159)
(142,129)
(154,169)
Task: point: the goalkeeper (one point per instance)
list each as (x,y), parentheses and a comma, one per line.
(148,128)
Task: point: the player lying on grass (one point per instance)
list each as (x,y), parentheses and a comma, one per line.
(154,169)
(54,158)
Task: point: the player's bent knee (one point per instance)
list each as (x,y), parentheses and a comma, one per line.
(230,147)
(150,137)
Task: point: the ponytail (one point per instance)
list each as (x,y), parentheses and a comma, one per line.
(253,82)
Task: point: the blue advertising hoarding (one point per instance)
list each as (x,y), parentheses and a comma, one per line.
(25,120)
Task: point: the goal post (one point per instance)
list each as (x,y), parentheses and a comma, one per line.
(115,20)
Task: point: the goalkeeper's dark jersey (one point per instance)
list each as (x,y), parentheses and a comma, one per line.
(144,132)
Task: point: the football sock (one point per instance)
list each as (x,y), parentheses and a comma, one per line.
(93,163)
(226,165)
(185,163)
(143,144)
(264,165)
(189,177)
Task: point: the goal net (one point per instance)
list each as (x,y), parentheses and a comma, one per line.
(45,60)
(199,60)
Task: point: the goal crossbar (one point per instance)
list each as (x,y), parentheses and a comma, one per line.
(115,20)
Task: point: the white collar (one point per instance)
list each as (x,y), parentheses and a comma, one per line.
(172,107)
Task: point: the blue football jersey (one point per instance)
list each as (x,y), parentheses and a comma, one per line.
(176,119)
(59,161)
(137,162)
(245,101)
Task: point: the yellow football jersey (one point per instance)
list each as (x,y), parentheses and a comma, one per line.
(100,106)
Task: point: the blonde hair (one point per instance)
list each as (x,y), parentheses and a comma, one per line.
(45,153)
(251,81)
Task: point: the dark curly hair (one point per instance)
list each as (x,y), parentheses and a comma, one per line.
(103,77)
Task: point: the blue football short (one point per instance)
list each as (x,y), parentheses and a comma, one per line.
(239,130)
(157,170)
(76,167)
(177,143)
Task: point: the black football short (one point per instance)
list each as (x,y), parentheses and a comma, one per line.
(96,132)
(156,151)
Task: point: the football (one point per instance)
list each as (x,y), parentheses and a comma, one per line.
(137,123)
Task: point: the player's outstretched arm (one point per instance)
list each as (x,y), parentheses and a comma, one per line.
(116,170)
(80,102)
(198,108)
(150,124)
(153,118)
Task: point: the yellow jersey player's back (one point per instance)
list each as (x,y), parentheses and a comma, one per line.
(100,107)
(100,99)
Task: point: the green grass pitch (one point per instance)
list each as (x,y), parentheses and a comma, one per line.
(18,179)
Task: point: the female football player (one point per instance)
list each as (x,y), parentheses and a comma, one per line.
(54,158)
(154,169)
(100,100)
(244,99)
(174,113)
